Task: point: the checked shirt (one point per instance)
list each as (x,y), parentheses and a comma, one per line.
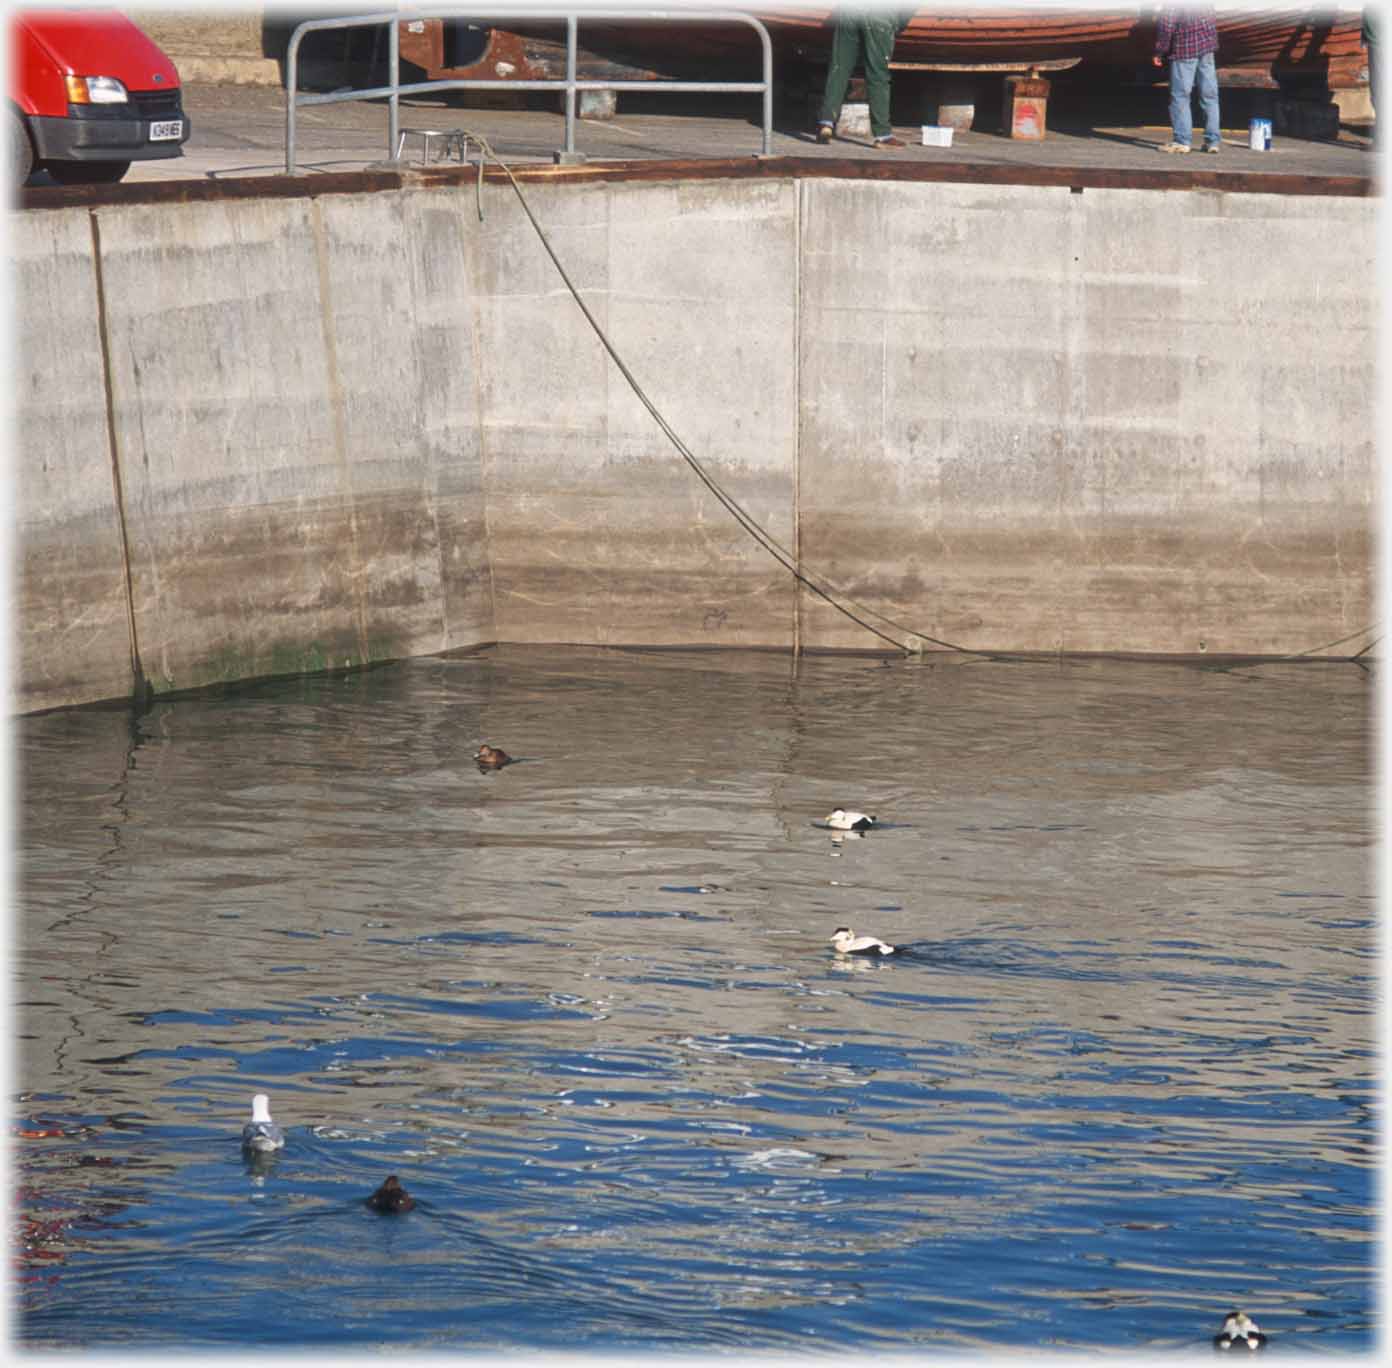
(1184,33)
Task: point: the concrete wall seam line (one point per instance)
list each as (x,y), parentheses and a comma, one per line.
(799,208)
(1073,388)
(334,377)
(140,685)
(471,259)
(414,236)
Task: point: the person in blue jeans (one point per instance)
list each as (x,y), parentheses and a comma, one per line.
(1187,36)
(861,35)
(1371,35)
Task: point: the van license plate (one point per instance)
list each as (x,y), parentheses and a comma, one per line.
(162,132)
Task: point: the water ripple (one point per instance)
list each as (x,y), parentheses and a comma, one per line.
(1124,1077)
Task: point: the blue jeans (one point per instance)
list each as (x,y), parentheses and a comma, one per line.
(1182,75)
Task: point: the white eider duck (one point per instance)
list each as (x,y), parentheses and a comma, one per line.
(841,820)
(1239,1329)
(261,1135)
(848,943)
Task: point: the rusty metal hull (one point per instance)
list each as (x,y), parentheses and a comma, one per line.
(1282,42)
(1245,37)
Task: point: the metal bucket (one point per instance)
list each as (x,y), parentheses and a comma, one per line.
(1259,135)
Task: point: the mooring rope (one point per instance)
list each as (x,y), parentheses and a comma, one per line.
(1310,652)
(833,594)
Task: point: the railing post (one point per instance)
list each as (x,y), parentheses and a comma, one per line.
(569,156)
(292,73)
(394,117)
(768,89)
(572,43)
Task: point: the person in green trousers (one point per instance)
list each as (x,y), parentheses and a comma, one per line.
(861,36)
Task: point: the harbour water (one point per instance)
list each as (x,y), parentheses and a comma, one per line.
(1123,1079)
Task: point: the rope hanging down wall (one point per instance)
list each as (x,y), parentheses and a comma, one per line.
(818,583)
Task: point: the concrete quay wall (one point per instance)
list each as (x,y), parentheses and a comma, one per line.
(263,435)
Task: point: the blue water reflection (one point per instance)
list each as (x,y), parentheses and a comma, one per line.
(1122,1079)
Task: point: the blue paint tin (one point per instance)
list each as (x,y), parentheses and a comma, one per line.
(1259,135)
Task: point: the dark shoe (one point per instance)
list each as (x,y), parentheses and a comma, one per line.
(890,141)
(824,133)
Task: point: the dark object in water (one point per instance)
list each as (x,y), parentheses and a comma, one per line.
(1239,1329)
(490,757)
(391,1197)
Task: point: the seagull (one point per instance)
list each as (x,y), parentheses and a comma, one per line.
(391,1196)
(842,820)
(1239,1328)
(261,1135)
(490,757)
(848,943)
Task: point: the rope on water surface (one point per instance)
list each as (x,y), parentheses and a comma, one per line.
(832,593)
(1312,651)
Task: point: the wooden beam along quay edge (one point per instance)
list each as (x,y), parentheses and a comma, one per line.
(733,168)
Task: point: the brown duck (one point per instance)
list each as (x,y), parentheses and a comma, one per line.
(391,1196)
(490,757)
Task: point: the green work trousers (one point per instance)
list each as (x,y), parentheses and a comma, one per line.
(867,38)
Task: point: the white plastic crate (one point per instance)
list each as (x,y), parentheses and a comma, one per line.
(937,135)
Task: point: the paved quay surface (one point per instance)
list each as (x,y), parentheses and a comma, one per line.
(239,131)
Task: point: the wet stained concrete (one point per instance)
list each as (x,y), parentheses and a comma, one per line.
(1011,399)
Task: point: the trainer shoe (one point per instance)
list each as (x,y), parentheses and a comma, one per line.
(890,141)
(823,133)
(1213,147)
(1180,148)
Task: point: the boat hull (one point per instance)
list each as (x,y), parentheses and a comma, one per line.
(1279,38)
(1263,44)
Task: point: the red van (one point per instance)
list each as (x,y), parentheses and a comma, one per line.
(89,94)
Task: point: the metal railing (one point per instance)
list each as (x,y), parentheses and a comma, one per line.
(570,85)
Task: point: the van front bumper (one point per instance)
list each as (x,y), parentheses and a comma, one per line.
(122,139)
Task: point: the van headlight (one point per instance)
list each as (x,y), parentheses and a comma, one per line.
(95,90)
